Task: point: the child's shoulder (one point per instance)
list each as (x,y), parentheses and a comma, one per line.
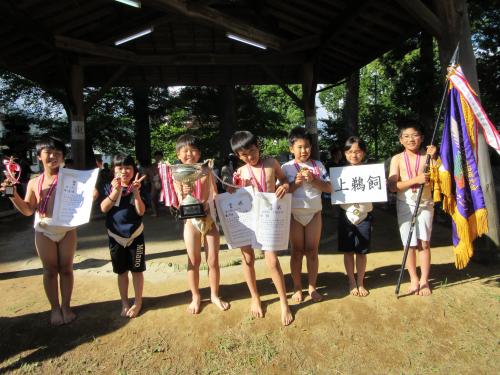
(270,162)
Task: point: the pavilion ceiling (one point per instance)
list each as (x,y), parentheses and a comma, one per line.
(40,39)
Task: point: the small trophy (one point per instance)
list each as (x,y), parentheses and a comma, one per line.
(12,172)
(188,174)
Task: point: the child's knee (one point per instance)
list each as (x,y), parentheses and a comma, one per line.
(66,270)
(50,271)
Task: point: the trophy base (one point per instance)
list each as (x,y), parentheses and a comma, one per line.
(9,191)
(189,211)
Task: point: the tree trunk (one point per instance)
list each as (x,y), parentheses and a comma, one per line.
(228,118)
(142,129)
(427,90)
(351,107)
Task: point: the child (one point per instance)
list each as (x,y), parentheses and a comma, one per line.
(405,175)
(55,245)
(198,231)
(308,179)
(124,209)
(355,226)
(262,174)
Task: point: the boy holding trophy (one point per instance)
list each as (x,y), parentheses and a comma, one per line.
(55,245)
(195,188)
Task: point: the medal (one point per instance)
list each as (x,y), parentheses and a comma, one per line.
(356,212)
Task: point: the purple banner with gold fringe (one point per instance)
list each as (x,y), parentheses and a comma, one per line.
(459,178)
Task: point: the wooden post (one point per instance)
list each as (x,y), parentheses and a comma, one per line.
(77,116)
(309,100)
(228,118)
(142,129)
(453,14)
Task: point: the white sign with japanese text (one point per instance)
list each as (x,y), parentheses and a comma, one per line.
(358,184)
(74,196)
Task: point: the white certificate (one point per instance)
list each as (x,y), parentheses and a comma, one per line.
(74,196)
(273,223)
(237,217)
(358,184)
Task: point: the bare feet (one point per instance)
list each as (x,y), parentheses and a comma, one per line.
(315,296)
(134,310)
(223,305)
(297,296)
(414,288)
(194,306)
(286,315)
(56,317)
(125,308)
(424,290)
(362,292)
(68,315)
(256,308)
(353,289)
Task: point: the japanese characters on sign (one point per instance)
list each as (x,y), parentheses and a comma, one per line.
(358,184)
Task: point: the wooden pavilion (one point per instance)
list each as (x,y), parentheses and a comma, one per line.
(65,46)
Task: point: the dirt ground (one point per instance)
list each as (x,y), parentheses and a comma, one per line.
(454,331)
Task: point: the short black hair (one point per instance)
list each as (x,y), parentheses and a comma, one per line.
(352,140)
(47,142)
(158,153)
(187,140)
(408,123)
(121,160)
(242,140)
(299,133)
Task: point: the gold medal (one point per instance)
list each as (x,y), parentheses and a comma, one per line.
(356,212)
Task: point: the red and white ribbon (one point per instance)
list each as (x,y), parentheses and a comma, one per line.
(408,169)
(167,195)
(490,132)
(262,187)
(315,168)
(42,207)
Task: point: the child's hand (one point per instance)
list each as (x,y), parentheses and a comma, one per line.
(136,184)
(423,178)
(432,150)
(299,179)
(308,175)
(116,183)
(186,190)
(282,190)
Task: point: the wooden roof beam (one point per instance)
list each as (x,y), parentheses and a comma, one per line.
(195,59)
(220,20)
(424,16)
(94,98)
(298,101)
(81,46)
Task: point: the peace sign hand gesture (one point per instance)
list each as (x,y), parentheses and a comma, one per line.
(136,184)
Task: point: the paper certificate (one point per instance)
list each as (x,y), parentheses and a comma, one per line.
(273,229)
(259,220)
(74,196)
(358,184)
(237,217)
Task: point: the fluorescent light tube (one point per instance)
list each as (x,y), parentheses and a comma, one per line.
(132,3)
(134,36)
(245,40)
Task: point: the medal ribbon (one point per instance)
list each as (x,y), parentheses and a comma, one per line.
(42,207)
(315,167)
(408,169)
(262,186)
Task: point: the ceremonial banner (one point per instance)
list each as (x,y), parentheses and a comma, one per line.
(358,184)
(253,219)
(74,197)
(459,178)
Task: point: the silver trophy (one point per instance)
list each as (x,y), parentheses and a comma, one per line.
(188,174)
